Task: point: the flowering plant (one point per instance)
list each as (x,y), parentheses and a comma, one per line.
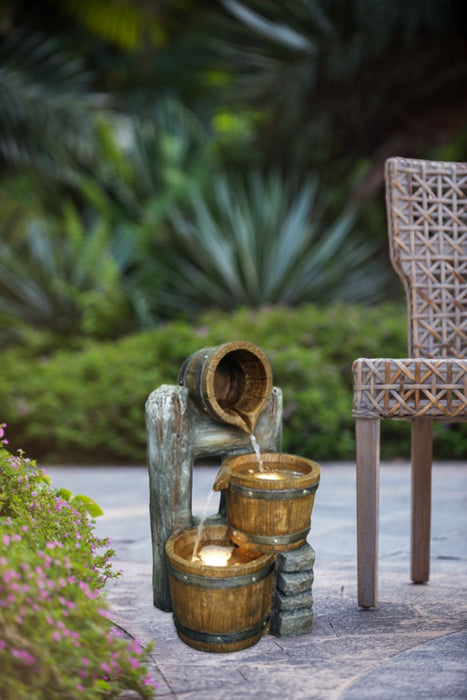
(56,639)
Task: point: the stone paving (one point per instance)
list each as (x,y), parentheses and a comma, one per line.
(414,645)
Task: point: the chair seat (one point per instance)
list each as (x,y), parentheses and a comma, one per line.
(410,388)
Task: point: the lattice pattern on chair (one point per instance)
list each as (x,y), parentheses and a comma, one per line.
(427,217)
(410,388)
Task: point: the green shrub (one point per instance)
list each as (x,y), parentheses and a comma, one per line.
(56,641)
(88,405)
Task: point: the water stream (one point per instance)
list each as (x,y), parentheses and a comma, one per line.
(200,527)
(257,450)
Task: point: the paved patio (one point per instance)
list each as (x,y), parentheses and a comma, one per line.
(414,645)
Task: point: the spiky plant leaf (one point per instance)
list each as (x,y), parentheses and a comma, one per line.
(63,276)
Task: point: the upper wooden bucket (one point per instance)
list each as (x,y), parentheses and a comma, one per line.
(231,382)
(219,608)
(269,510)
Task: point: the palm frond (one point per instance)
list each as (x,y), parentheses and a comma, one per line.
(46,107)
(370,66)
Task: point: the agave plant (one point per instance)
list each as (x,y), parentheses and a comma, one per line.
(65,276)
(262,241)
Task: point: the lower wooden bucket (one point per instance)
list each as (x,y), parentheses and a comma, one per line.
(219,608)
(269,510)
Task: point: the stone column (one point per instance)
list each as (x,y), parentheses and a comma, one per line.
(292,608)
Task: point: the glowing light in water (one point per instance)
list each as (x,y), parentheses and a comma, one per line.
(270,476)
(215,555)
(279,474)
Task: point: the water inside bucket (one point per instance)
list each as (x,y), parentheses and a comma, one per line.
(277,475)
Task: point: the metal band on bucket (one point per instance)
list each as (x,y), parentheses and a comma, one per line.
(273,495)
(226,638)
(269,539)
(211,582)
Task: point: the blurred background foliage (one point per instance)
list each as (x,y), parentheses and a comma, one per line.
(161,160)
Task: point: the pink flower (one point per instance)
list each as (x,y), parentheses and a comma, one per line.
(135,646)
(147,680)
(23,655)
(10,575)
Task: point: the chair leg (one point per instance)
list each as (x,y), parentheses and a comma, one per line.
(422,456)
(367,433)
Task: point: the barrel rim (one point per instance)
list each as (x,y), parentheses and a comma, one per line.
(272,461)
(219,534)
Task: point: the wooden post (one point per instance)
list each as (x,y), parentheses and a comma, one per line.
(178,432)
(422,451)
(367,432)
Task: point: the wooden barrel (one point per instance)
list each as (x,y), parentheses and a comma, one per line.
(269,515)
(219,608)
(231,382)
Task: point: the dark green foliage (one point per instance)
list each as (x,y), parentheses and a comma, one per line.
(88,406)
(47,107)
(352,79)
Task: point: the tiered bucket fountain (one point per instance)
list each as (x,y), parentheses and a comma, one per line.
(221,576)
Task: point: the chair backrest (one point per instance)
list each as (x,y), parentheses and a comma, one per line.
(427,221)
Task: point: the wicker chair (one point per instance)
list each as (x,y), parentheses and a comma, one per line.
(427,219)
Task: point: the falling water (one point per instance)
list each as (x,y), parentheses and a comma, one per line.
(254,442)
(200,527)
